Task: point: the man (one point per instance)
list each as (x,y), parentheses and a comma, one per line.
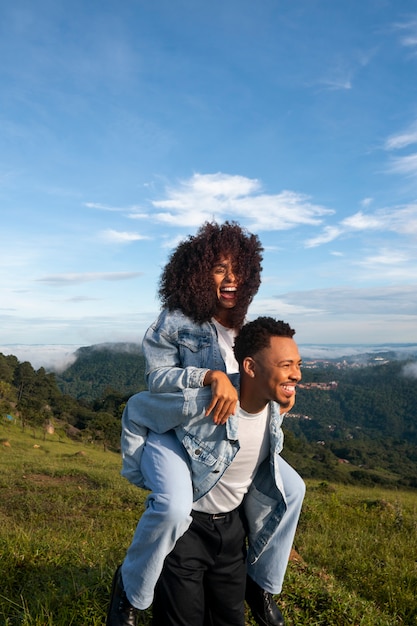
(237,478)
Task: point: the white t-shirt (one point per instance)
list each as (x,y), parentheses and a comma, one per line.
(226,337)
(228,493)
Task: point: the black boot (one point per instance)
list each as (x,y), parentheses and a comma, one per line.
(121,612)
(262,605)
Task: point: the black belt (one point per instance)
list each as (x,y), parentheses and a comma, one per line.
(215,517)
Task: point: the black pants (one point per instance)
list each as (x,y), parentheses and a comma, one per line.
(203,579)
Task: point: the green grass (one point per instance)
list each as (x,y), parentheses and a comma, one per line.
(67,517)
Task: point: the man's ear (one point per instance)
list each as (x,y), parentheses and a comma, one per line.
(249,366)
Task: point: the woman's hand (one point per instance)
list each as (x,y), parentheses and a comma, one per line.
(224,396)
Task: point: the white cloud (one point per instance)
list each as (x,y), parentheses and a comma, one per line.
(224,185)
(346,314)
(82,299)
(410,370)
(375,301)
(330,233)
(101,207)
(409,38)
(280,307)
(72,279)
(402,140)
(172,243)
(360,221)
(336,84)
(406,165)
(220,196)
(134,209)
(115,236)
(138,216)
(400,220)
(386,257)
(51,357)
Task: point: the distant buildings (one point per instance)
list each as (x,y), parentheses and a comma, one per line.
(322,386)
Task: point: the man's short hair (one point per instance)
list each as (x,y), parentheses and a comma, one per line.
(256,335)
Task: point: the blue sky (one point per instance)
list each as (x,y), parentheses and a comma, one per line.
(124,125)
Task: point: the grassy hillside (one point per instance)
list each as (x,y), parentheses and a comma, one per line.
(67,516)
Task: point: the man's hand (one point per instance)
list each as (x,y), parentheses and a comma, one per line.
(224,396)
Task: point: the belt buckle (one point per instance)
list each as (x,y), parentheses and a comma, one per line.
(219,516)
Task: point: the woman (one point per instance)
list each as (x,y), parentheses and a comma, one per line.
(205,289)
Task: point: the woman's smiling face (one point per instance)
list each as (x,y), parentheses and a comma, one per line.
(225,283)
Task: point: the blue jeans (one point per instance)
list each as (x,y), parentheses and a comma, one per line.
(165,468)
(166,471)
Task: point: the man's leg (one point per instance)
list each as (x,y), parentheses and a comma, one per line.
(226,579)
(203,579)
(179,592)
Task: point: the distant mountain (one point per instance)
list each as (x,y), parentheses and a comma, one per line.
(367,417)
(355,420)
(101,368)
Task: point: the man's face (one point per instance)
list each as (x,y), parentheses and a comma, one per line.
(276,371)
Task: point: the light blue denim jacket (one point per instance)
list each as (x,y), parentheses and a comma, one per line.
(211,449)
(179,352)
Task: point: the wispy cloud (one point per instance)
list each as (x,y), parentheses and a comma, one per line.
(329,233)
(102,207)
(340,76)
(400,220)
(116,236)
(138,215)
(281,307)
(54,357)
(133,209)
(82,299)
(361,221)
(390,265)
(402,140)
(410,370)
(357,301)
(337,83)
(73,279)
(406,165)
(408,30)
(385,257)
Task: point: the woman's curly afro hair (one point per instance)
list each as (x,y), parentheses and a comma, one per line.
(185,283)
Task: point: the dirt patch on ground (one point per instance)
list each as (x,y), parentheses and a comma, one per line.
(59,481)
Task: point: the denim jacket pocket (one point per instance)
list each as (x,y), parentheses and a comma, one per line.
(190,341)
(199,451)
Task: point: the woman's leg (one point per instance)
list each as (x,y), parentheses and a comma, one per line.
(269,570)
(166,472)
